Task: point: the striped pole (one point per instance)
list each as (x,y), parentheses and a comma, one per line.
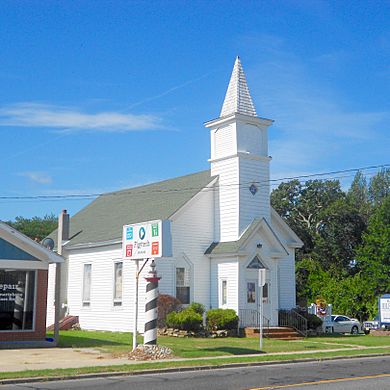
(150,335)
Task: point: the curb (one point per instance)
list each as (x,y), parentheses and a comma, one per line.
(180,369)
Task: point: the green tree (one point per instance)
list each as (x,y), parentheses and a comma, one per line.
(36,227)
(373,259)
(338,237)
(379,187)
(358,196)
(302,205)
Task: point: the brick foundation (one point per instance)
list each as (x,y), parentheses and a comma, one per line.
(40,315)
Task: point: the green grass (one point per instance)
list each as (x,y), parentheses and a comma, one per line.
(139,367)
(120,343)
(358,340)
(197,347)
(223,351)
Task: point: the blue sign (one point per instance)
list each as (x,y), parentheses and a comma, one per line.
(142,233)
(129,233)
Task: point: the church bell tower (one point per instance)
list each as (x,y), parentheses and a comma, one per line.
(239,156)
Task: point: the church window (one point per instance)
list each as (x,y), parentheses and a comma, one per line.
(183,285)
(265,292)
(253,189)
(256,264)
(118,270)
(223,292)
(251,292)
(87,284)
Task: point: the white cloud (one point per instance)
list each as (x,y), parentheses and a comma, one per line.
(315,124)
(69,119)
(37,177)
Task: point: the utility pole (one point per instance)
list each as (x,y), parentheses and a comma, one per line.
(63,234)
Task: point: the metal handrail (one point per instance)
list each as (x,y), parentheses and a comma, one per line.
(251,318)
(294,320)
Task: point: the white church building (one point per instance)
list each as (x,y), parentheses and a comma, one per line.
(223,230)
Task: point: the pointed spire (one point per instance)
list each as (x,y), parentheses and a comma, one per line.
(238,98)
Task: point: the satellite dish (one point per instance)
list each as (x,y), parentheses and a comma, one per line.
(48,243)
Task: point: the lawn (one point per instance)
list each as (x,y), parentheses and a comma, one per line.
(119,343)
(229,351)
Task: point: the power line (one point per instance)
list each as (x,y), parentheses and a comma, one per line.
(273,182)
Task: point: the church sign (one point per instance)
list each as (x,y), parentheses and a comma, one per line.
(146,240)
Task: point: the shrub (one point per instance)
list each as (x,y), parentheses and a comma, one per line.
(165,305)
(186,319)
(218,319)
(313,322)
(197,308)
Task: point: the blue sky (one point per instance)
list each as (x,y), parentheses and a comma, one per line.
(102,95)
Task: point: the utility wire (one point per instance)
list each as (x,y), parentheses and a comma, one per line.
(272,182)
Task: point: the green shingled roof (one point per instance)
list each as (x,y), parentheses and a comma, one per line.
(218,248)
(102,220)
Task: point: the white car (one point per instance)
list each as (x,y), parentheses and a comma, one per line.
(343,324)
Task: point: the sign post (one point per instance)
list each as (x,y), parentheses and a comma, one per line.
(142,241)
(262,277)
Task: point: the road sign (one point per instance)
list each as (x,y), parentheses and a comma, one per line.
(262,277)
(147,239)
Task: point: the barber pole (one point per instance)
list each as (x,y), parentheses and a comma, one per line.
(150,335)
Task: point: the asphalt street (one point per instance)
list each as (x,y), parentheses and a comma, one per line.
(365,373)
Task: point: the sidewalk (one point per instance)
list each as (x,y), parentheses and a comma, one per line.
(14,360)
(51,358)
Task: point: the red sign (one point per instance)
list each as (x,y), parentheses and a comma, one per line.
(129,250)
(154,248)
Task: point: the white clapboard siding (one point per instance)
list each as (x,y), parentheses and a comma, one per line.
(287,294)
(253,206)
(225,269)
(223,142)
(102,314)
(228,201)
(192,233)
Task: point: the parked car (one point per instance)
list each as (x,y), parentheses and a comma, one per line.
(343,324)
(371,325)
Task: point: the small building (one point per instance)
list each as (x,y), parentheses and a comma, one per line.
(222,225)
(24,266)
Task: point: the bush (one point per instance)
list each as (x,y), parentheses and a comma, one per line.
(197,308)
(165,305)
(313,322)
(186,319)
(221,319)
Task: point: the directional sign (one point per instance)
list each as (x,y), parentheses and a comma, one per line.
(147,239)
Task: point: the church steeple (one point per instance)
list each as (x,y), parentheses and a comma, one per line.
(238,99)
(239,157)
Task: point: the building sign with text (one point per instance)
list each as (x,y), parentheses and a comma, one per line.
(384,309)
(147,240)
(17,299)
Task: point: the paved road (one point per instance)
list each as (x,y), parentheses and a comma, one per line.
(367,373)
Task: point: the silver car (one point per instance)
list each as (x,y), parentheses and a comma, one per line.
(343,324)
